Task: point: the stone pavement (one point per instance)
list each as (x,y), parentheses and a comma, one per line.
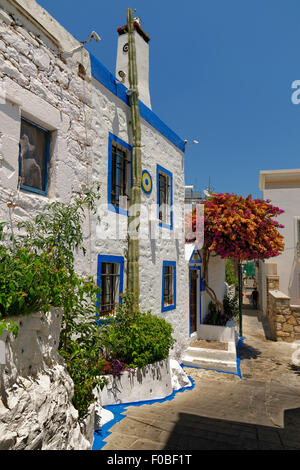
(223,411)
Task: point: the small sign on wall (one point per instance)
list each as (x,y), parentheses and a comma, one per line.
(2,353)
(146,182)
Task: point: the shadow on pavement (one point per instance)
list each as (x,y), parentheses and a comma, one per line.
(248,352)
(295,369)
(194,432)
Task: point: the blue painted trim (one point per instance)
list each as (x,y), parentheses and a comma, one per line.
(195,268)
(238,360)
(160,126)
(109,259)
(200,296)
(113,138)
(119,412)
(108,80)
(170,174)
(196,261)
(47,158)
(173,306)
(190,302)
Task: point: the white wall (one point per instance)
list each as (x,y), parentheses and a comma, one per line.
(288,265)
(112,115)
(47,90)
(36,410)
(40,84)
(142,58)
(216,280)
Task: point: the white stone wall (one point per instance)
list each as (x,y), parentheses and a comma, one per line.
(152,382)
(216,280)
(39,82)
(288,264)
(113,115)
(36,411)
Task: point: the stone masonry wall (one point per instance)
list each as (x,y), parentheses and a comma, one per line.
(44,83)
(36,411)
(284,318)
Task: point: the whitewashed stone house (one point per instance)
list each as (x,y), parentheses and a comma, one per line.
(163,268)
(64,124)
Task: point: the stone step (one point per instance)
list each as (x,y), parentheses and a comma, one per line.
(209,358)
(222,366)
(214,354)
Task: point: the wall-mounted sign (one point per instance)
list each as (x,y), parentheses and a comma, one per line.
(146,182)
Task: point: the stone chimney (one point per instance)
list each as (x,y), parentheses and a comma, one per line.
(142,58)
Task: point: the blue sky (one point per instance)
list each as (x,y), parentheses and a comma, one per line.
(220,73)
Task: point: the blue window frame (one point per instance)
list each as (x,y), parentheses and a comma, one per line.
(34,157)
(110,277)
(168,299)
(164,182)
(119,179)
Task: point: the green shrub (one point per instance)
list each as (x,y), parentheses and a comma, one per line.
(136,338)
(230,278)
(215,317)
(37,271)
(231,306)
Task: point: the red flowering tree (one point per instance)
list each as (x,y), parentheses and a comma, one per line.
(239,228)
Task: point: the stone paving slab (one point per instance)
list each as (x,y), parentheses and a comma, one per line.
(223,411)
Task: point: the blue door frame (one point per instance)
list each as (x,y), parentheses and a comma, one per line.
(194,268)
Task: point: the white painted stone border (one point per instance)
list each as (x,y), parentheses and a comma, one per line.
(150,383)
(224,334)
(2,353)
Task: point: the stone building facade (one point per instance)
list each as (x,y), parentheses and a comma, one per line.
(64,125)
(59,100)
(36,410)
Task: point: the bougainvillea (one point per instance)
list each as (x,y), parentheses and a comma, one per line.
(239,228)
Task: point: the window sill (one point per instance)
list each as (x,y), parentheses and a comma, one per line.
(117,209)
(33,190)
(168,307)
(101,321)
(164,225)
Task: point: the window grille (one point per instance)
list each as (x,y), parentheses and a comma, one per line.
(110,287)
(164,197)
(120,174)
(168,285)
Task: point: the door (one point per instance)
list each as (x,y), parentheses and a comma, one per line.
(193,300)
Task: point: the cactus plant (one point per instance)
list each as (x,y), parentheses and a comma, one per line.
(133,284)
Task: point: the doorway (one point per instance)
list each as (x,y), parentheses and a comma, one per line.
(194,299)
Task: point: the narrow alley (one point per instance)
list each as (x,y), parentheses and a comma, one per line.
(261,410)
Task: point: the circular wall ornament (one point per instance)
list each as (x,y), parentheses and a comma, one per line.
(146,182)
(125,47)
